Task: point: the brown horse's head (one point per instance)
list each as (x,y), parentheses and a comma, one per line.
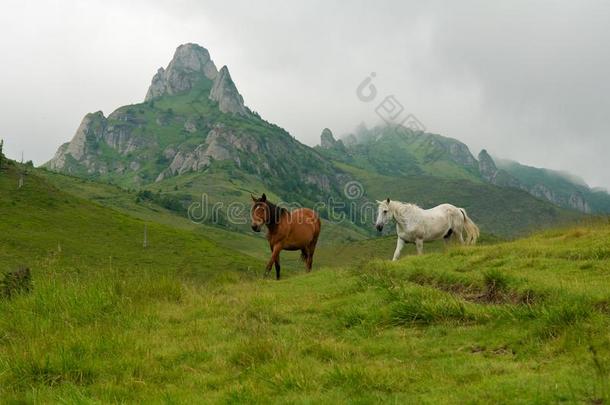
(260,213)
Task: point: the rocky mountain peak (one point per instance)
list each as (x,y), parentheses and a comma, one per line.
(492,174)
(487,166)
(90,128)
(226,94)
(191,63)
(327,140)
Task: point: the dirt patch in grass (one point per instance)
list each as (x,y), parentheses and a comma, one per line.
(494,291)
(492,295)
(603,306)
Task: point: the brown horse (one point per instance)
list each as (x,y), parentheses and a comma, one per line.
(287,230)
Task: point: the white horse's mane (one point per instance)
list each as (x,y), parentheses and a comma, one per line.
(401,209)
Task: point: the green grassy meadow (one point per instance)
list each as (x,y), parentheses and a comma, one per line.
(189,319)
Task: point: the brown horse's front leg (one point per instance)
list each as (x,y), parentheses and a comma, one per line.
(275,259)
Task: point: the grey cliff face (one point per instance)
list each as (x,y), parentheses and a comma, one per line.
(460,154)
(577,201)
(220,144)
(327,140)
(490,173)
(58,162)
(190,63)
(225,93)
(116,131)
(487,166)
(90,130)
(574,201)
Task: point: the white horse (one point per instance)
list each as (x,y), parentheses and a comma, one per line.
(416,225)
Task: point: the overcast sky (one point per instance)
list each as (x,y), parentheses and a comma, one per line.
(526,80)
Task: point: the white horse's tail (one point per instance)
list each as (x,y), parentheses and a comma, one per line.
(472,230)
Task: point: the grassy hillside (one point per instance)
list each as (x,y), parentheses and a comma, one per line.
(240,238)
(525,321)
(339,244)
(41,223)
(403,152)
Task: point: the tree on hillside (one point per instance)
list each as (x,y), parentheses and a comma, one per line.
(1,155)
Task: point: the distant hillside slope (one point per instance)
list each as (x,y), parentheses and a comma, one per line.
(397,151)
(562,188)
(394,152)
(161,208)
(41,223)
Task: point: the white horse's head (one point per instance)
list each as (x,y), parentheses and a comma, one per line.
(384,214)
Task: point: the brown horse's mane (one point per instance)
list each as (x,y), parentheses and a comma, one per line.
(275,215)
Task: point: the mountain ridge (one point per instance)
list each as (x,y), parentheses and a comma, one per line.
(193,118)
(401,151)
(194,135)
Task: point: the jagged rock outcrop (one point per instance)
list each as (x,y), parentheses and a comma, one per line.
(115,132)
(574,200)
(58,162)
(461,155)
(577,201)
(328,141)
(487,166)
(225,93)
(220,144)
(490,173)
(543,192)
(191,62)
(226,144)
(90,130)
(190,126)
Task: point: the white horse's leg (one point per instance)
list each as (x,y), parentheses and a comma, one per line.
(448,237)
(399,245)
(419,243)
(461,237)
